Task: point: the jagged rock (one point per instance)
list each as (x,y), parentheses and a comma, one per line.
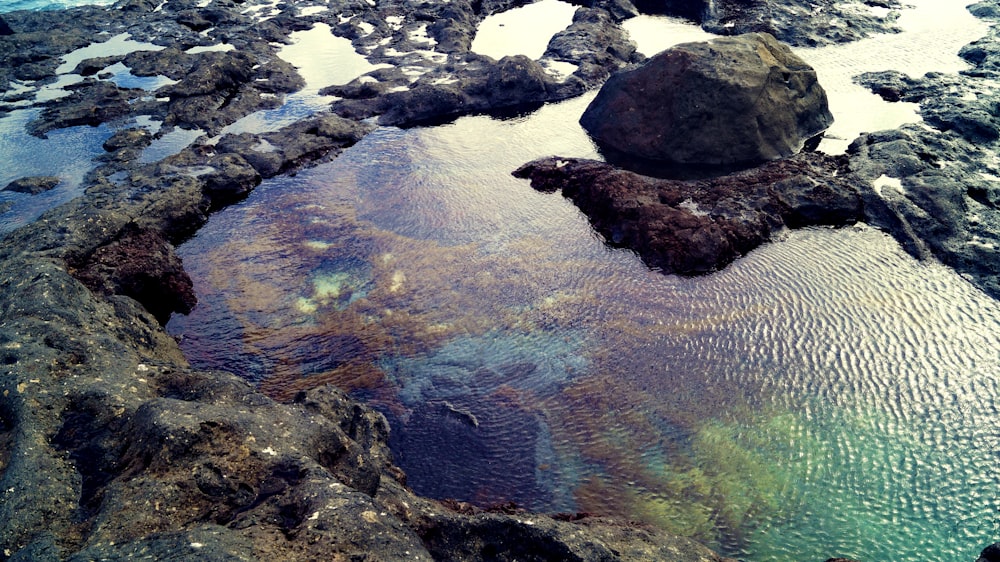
(33,185)
(699,226)
(128,138)
(730,101)
(92,102)
(142,265)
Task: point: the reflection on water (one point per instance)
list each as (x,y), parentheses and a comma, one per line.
(522,31)
(825,395)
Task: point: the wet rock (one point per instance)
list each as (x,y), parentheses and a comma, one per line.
(595,44)
(142,265)
(33,185)
(990,553)
(805,23)
(92,102)
(698,226)
(730,101)
(934,190)
(292,147)
(128,138)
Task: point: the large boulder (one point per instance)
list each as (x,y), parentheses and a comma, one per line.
(731,101)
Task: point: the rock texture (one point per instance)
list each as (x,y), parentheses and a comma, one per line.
(111,447)
(33,185)
(731,101)
(699,226)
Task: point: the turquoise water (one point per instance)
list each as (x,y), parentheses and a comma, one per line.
(14,5)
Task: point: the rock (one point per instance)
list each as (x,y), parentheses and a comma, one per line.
(595,44)
(990,553)
(804,23)
(33,185)
(5,28)
(92,102)
(933,190)
(700,226)
(730,101)
(142,265)
(128,138)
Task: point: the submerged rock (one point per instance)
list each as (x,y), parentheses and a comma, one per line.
(730,101)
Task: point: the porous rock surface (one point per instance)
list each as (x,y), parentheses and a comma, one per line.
(698,226)
(730,101)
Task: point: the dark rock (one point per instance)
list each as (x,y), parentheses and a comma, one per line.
(292,147)
(92,102)
(990,553)
(699,226)
(730,101)
(596,44)
(128,138)
(5,27)
(33,185)
(805,23)
(211,73)
(142,265)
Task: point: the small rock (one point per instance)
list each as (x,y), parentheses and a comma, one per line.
(33,185)
(129,138)
(990,553)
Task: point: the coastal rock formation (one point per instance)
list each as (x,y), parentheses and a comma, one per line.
(730,101)
(699,226)
(111,447)
(33,185)
(935,189)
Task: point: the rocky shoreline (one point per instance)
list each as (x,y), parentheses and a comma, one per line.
(112,447)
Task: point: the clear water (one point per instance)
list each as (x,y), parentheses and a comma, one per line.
(825,396)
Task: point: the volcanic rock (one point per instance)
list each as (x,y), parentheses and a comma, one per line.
(731,101)
(33,185)
(700,226)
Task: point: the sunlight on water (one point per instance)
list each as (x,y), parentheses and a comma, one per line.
(324,59)
(522,31)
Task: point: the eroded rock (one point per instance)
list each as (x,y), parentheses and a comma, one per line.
(699,226)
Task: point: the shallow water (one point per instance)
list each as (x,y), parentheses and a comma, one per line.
(826,395)
(14,5)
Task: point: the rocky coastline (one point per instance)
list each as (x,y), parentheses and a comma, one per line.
(112,447)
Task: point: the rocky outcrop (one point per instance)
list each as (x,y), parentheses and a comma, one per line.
(829,21)
(111,447)
(33,185)
(698,226)
(935,189)
(730,101)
